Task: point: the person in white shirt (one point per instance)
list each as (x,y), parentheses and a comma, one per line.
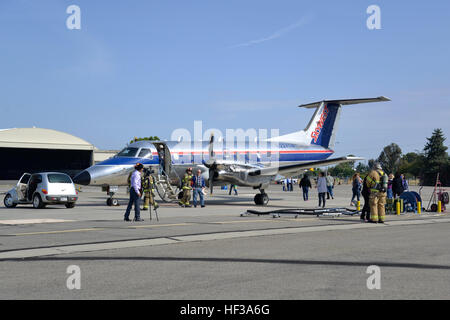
(135,194)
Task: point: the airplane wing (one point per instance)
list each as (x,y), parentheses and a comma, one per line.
(297,168)
(234,172)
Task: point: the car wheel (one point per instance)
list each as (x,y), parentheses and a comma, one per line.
(37,202)
(9,202)
(70,205)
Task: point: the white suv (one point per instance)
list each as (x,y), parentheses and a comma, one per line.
(41,189)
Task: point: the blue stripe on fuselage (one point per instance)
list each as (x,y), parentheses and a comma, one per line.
(117,161)
(283,157)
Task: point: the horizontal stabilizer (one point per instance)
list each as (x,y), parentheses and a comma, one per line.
(345,102)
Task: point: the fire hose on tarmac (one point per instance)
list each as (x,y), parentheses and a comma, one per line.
(328,212)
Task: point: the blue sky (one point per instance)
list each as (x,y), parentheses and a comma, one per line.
(141,68)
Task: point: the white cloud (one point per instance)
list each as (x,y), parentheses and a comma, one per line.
(303,21)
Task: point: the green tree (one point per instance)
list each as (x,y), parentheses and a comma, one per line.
(412,164)
(362,168)
(371,163)
(151,138)
(436,159)
(390,158)
(343,170)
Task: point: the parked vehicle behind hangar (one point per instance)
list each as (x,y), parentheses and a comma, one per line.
(41,189)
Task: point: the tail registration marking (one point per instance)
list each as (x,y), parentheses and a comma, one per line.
(315,134)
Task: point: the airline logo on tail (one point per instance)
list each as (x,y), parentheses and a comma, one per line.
(316,133)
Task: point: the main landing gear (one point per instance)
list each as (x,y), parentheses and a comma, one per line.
(261,199)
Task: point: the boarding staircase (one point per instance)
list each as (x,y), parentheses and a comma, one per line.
(165,190)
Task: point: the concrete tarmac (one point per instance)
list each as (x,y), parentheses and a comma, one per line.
(215,253)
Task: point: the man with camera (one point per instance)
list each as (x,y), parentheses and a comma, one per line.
(135,194)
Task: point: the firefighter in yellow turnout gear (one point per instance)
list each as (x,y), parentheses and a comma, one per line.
(186,182)
(148,185)
(377,183)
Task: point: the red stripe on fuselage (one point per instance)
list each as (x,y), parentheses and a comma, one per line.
(251,152)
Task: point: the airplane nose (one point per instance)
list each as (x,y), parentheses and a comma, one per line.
(83,178)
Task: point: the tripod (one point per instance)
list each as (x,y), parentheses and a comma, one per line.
(150,211)
(437,195)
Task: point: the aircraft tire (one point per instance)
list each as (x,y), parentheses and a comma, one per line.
(265,199)
(257,199)
(261,199)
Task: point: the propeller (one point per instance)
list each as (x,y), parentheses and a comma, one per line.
(211,163)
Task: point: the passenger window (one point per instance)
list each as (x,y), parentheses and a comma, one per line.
(36,179)
(145,153)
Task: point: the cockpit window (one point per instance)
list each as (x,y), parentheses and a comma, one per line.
(145,153)
(128,152)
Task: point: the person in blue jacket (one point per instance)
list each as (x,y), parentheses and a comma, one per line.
(198,185)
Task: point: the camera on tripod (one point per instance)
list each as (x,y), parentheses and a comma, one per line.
(148,171)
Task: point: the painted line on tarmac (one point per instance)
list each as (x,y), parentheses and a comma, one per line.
(412,222)
(33,221)
(241,221)
(266,220)
(55,232)
(160,225)
(30,253)
(71,249)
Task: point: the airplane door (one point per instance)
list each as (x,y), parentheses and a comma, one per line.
(247,152)
(165,159)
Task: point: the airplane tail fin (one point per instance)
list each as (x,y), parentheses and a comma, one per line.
(321,129)
(323,125)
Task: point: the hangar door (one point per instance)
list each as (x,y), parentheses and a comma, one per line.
(15,161)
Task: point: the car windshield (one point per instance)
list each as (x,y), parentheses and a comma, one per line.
(128,152)
(58,178)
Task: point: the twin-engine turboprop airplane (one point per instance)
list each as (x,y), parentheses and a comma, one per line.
(243,164)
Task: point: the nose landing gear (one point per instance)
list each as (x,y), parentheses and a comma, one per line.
(111,191)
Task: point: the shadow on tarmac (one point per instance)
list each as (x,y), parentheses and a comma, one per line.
(246,260)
